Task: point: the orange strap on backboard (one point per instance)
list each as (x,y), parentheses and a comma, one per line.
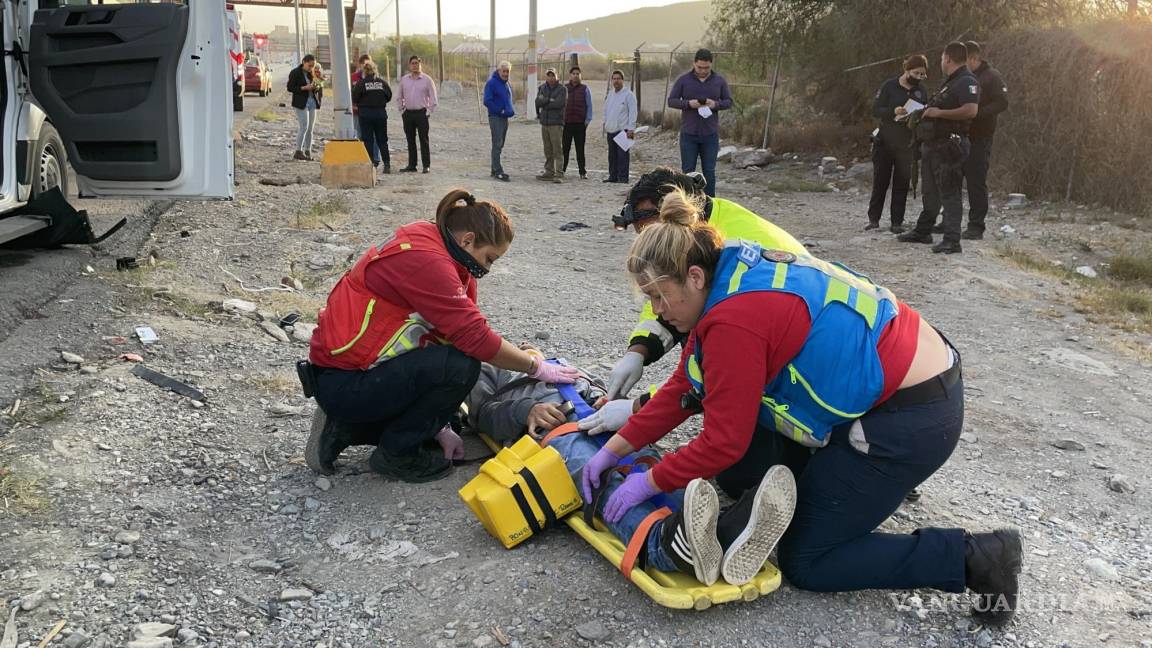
(639,538)
(559,431)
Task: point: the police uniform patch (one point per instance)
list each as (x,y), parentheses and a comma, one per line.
(973,89)
(778,256)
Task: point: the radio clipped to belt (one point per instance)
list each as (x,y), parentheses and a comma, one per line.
(521,491)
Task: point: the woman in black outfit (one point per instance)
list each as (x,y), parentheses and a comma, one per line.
(892,147)
(371,95)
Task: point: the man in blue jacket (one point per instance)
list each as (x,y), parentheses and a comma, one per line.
(498,100)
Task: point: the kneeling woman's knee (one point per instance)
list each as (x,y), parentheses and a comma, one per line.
(801,569)
(462,369)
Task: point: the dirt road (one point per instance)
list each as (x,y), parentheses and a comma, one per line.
(149,507)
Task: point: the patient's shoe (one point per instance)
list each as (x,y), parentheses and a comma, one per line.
(751,528)
(689,535)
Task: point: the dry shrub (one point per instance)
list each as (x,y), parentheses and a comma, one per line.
(1132,267)
(1079,125)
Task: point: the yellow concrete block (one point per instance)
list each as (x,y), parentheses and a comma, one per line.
(345,164)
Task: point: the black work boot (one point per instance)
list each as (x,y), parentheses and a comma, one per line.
(897,228)
(751,528)
(914,237)
(689,535)
(416,466)
(992,570)
(329,438)
(947,247)
(972,235)
(872,224)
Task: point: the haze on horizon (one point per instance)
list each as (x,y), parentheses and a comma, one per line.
(459,16)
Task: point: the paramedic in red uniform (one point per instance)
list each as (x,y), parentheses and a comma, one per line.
(799,362)
(399,344)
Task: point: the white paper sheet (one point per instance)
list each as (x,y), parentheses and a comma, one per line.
(704,111)
(623,141)
(911,107)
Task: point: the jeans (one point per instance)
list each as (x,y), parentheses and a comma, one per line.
(848,488)
(941,181)
(374,134)
(306,118)
(618,160)
(575,134)
(704,147)
(416,122)
(553,137)
(890,165)
(410,397)
(976,175)
(499,128)
(577,449)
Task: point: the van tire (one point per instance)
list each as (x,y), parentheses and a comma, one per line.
(50,164)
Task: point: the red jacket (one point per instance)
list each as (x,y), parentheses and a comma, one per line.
(745,351)
(405,295)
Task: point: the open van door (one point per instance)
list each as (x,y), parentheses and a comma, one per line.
(140,94)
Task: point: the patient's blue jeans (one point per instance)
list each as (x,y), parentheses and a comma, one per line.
(577,449)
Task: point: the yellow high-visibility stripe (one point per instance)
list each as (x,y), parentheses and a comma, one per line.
(838,291)
(737,276)
(363,328)
(867,306)
(694,369)
(405,246)
(780,275)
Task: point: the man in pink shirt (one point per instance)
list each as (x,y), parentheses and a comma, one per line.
(417,101)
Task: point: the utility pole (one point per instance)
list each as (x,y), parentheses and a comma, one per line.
(492,36)
(439,43)
(299,36)
(399,72)
(533,60)
(342,89)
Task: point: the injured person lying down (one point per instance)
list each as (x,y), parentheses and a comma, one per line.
(696,539)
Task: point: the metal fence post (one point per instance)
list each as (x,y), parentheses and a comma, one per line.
(772,97)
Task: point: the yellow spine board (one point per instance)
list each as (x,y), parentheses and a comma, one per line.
(669,589)
(500,495)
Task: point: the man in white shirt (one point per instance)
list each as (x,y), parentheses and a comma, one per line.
(619,116)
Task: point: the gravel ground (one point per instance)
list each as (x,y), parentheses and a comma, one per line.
(152,508)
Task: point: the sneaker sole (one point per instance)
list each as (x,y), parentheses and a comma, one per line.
(312,449)
(772,511)
(701,511)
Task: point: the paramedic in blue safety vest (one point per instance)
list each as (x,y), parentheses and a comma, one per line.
(399,343)
(798,362)
(652,336)
(506,405)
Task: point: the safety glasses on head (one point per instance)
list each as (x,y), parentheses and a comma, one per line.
(629,216)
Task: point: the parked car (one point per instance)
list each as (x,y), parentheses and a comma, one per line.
(257,77)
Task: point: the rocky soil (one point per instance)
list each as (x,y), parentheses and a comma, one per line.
(159,520)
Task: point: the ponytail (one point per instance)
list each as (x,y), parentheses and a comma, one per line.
(682,239)
(459,212)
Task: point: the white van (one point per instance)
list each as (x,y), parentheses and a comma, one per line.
(120,99)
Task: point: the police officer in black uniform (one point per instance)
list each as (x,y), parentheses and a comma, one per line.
(993,101)
(942,131)
(892,146)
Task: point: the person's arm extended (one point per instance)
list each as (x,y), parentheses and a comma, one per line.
(676,96)
(735,365)
(725,100)
(963,113)
(661,414)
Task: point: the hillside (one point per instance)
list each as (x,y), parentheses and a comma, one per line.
(660,27)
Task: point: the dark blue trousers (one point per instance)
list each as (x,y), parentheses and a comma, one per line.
(704,147)
(849,487)
(374,134)
(408,399)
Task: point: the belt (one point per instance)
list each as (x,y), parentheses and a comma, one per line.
(934,389)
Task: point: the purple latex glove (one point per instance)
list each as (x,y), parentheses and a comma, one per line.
(450,443)
(601,461)
(635,489)
(556,374)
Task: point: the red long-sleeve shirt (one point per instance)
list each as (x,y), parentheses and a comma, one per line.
(744,350)
(436,287)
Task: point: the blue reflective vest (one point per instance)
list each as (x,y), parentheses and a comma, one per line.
(837,376)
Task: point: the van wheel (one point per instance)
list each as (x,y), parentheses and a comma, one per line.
(51,162)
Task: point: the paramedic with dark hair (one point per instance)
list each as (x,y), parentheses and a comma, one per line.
(799,362)
(399,344)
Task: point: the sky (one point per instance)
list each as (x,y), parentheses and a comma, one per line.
(459,16)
